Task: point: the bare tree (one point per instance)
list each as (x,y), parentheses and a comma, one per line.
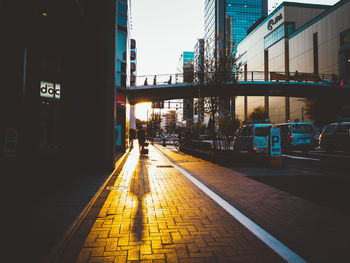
(218,72)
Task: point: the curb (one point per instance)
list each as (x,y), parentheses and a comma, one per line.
(61,246)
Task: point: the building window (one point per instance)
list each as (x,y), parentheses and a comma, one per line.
(280,32)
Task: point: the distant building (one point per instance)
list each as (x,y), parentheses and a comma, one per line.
(198,66)
(188,76)
(187,57)
(227,21)
(198,57)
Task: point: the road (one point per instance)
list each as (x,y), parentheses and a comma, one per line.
(330,181)
(317,176)
(288,200)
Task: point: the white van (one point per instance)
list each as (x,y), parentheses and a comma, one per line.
(297,136)
(251,138)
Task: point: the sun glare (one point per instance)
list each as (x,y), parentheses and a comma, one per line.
(142,109)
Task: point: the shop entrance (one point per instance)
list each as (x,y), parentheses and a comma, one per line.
(50,125)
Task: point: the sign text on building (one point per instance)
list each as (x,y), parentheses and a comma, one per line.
(50,90)
(274,21)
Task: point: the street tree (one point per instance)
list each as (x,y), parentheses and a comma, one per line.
(258,114)
(327,110)
(219,70)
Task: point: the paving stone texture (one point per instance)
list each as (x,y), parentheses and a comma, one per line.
(155,214)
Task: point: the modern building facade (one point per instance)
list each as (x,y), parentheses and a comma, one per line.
(198,67)
(188,76)
(294,37)
(226,22)
(198,56)
(187,56)
(59,101)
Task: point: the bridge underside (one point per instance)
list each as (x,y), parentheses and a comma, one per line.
(279,89)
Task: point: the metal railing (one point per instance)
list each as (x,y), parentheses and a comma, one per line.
(239,76)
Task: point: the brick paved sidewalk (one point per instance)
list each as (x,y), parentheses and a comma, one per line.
(316,233)
(154,214)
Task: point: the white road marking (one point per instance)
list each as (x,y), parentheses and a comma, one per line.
(300,157)
(273,243)
(331,155)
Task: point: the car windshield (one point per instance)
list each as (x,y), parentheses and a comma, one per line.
(261,131)
(303,128)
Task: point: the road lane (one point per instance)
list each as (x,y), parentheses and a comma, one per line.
(313,231)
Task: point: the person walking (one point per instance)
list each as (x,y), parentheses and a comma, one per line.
(169,81)
(141,137)
(155,80)
(145,83)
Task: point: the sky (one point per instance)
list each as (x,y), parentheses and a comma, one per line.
(163,29)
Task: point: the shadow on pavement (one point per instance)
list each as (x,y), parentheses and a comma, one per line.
(140,187)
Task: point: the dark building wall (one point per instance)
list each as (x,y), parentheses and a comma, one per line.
(73,45)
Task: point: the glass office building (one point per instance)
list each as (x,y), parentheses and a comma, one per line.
(187,56)
(198,58)
(240,15)
(227,21)
(210,26)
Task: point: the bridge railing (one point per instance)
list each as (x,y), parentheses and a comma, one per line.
(273,76)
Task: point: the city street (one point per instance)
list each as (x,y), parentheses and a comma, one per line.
(243,107)
(168,206)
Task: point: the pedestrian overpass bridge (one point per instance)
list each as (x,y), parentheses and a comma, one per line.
(309,87)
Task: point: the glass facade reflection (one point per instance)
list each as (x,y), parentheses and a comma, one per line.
(241,15)
(122,40)
(227,21)
(210,25)
(280,32)
(187,56)
(122,58)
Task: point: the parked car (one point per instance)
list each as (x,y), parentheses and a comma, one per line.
(297,136)
(336,136)
(251,138)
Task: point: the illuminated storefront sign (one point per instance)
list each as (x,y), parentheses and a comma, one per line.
(274,21)
(50,90)
(121,100)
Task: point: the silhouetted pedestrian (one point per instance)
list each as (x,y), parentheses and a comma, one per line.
(141,136)
(169,81)
(296,75)
(155,80)
(145,83)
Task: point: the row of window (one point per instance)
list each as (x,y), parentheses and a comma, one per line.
(251,2)
(280,32)
(122,39)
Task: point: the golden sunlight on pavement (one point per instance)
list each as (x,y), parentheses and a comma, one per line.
(154,214)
